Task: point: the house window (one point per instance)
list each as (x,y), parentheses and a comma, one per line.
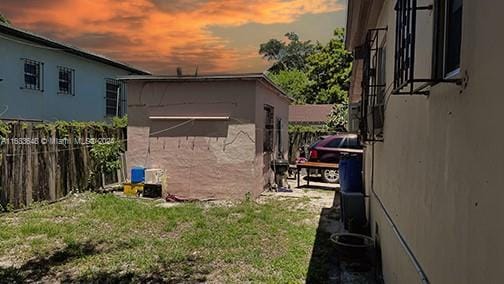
(378,106)
(66,81)
(448,37)
(268,128)
(33,75)
(381,78)
(113,98)
(279,136)
(374,85)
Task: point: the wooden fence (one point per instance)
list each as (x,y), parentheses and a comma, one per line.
(302,140)
(41,164)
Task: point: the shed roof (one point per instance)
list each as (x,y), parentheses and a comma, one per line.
(215,77)
(46,42)
(310,113)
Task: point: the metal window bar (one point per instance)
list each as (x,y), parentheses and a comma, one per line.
(371,104)
(33,74)
(269,114)
(114,98)
(405,80)
(66,81)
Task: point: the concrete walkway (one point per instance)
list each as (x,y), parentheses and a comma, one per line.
(324,199)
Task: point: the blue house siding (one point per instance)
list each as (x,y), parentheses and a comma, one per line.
(88,101)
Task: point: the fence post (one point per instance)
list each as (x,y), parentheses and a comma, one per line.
(29,166)
(4,185)
(13,169)
(52,166)
(72,173)
(35,163)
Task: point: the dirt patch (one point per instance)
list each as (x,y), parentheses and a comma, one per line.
(8,220)
(219,203)
(6,262)
(230,272)
(312,200)
(177,231)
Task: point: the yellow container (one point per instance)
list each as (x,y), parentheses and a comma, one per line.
(132,189)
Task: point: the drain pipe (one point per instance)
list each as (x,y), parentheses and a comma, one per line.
(397,233)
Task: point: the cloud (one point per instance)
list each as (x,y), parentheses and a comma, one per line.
(160,35)
(314,27)
(102,41)
(177,6)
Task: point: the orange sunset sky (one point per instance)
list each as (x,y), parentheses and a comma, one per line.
(159,35)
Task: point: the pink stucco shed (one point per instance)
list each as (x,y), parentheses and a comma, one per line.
(206,133)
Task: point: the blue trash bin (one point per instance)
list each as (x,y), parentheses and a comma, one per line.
(350,173)
(137,174)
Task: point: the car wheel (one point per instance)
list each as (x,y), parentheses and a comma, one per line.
(330,175)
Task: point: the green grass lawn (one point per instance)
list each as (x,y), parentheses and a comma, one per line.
(93,237)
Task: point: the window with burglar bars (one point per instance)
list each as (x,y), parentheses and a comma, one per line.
(66,81)
(279,136)
(113,98)
(33,75)
(405,44)
(447,38)
(269,128)
(374,86)
(447,35)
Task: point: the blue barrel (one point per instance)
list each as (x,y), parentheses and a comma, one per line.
(137,174)
(350,173)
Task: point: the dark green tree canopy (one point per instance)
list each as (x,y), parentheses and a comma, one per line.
(293,82)
(310,73)
(329,69)
(287,56)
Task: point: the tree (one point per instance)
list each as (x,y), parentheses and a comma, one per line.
(293,82)
(314,74)
(338,119)
(287,56)
(329,68)
(106,159)
(4,20)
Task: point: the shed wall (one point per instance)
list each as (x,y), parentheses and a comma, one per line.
(267,96)
(202,159)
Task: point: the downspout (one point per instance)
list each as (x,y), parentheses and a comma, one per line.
(397,233)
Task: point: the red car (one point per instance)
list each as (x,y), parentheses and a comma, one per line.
(328,150)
